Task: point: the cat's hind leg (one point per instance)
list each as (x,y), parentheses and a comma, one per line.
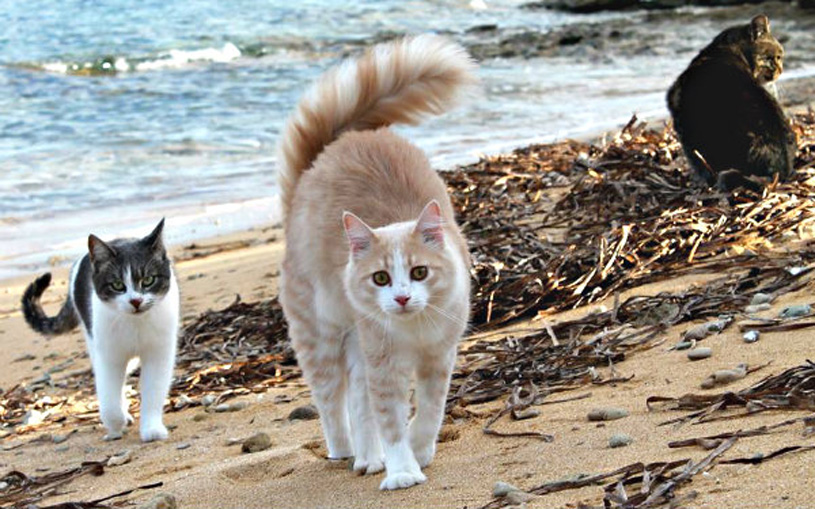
(156,375)
(432,382)
(368,458)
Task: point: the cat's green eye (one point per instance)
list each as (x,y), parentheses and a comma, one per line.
(148,281)
(418,273)
(118,286)
(381,278)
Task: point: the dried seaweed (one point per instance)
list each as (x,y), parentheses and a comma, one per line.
(655,483)
(793,389)
(23,490)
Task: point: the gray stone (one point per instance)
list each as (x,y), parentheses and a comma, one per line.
(761,298)
(208,400)
(700,353)
(502,489)
(161,501)
(796,311)
(231,407)
(619,440)
(256,443)
(751,336)
(607,414)
(756,308)
(120,459)
(304,413)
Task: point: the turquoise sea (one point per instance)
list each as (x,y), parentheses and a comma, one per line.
(115,113)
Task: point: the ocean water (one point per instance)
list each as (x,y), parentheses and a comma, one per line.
(115,113)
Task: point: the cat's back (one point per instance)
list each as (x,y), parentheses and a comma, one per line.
(377,175)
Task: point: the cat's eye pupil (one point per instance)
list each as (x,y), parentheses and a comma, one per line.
(381,278)
(418,273)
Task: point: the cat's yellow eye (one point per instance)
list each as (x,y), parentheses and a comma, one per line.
(381,278)
(418,273)
(148,281)
(117,286)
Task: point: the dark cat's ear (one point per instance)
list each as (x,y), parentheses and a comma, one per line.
(760,27)
(98,250)
(155,239)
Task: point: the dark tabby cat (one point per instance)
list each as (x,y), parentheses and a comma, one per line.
(731,128)
(125,296)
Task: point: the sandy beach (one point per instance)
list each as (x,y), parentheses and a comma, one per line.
(202,464)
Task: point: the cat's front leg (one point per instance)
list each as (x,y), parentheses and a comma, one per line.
(432,382)
(388,383)
(368,457)
(109,373)
(156,376)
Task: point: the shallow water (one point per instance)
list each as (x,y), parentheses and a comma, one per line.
(114,114)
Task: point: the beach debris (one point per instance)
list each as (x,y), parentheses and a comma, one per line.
(620,440)
(607,414)
(684,345)
(702,352)
(637,485)
(161,501)
(208,400)
(795,311)
(182,446)
(258,442)
(304,413)
(751,336)
(449,433)
(725,376)
(701,331)
(120,458)
(22,490)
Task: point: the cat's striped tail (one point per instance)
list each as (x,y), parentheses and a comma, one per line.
(398,82)
(65,321)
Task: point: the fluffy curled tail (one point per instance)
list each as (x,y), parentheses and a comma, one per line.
(393,83)
(35,316)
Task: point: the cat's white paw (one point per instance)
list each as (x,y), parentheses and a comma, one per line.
(110,436)
(424,455)
(129,418)
(154,432)
(367,466)
(401,480)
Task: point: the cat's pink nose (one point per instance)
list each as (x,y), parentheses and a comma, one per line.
(135,303)
(402,300)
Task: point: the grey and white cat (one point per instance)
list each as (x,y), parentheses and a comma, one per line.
(125,296)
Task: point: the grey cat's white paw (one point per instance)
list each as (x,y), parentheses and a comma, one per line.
(154,432)
(111,436)
(401,480)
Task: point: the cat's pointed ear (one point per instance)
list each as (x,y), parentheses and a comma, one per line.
(430,225)
(760,26)
(360,236)
(156,238)
(98,250)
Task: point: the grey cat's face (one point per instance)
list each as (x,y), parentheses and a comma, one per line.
(131,275)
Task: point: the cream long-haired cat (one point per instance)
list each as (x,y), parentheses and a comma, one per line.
(375,281)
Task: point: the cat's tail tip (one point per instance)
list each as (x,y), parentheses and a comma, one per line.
(35,315)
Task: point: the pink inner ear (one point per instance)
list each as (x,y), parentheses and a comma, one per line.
(359,234)
(430,224)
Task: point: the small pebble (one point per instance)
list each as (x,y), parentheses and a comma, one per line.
(607,414)
(697,332)
(208,400)
(683,345)
(619,440)
(256,443)
(304,413)
(502,489)
(756,308)
(3,485)
(182,446)
(795,311)
(161,501)
(231,407)
(58,439)
(725,376)
(700,353)
(120,459)
(751,336)
(62,448)
(761,298)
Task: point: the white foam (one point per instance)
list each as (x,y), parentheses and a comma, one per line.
(179,58)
